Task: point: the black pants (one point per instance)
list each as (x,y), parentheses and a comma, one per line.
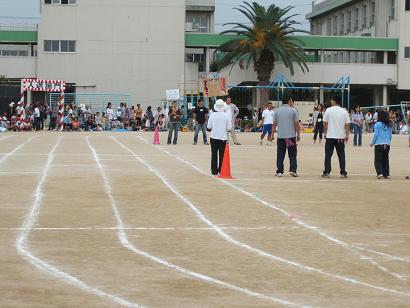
(331,144)
(36,123)
(291,146)
(52,125)
(217,147)
(381,159)
(318,130)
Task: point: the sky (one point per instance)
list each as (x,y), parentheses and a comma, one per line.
(28,11)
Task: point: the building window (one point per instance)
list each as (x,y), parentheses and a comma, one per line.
(407,52)
(62,2)
(372,13)
(356,19)
(364,16)
(342,24)
(392,13)
(349,22)
(407,5)
(59,46)
(329,27)
(199,22)
(335,26)
(14,53)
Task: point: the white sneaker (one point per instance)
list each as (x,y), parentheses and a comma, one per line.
(294,174)
(379,177)
(279,175)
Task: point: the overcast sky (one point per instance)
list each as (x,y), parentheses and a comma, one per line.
(28,10)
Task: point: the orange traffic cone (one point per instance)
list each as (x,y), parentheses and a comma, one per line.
(226,165)
(156,136)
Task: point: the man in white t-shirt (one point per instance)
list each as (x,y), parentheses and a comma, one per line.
(267,119)
(337,130)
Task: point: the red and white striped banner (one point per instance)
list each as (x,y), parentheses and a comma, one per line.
(38,85)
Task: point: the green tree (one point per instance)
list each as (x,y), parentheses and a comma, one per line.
(269,37)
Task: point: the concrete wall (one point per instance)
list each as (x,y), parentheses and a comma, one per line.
(404,41)
(18,67)
(328,73)
(123,46)
(200,2)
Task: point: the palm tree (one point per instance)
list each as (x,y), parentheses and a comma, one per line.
(269,37)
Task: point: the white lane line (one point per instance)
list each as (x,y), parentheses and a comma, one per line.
(298,221)
(127,244)
(15,150)
(148,228)
(252,249)
(402,259)
(23,250)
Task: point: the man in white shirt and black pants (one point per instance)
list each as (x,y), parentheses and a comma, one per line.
(337,130)
(219,123)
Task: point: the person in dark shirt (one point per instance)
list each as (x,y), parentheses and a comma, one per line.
(200,121)
(174,123)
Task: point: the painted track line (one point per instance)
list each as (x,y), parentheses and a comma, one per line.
(7,155)
(30,221)
(127,244)
(402,259)
(300,222)
(96,228)
(252,249)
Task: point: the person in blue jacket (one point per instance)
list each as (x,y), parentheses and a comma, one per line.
(381,141)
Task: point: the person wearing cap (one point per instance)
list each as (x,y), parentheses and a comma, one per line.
(219,123)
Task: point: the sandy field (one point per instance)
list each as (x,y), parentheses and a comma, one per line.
(110,220)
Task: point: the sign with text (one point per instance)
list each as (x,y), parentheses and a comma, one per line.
(172,95)
(38,85)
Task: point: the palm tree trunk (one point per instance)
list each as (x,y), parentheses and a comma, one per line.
(264,68)
(263,80)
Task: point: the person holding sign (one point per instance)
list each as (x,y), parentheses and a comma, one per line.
(174,123)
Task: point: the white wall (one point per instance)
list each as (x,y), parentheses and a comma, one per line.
(123,46)
(18,67)
(404,41)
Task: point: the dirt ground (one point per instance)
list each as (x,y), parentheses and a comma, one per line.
(108,220)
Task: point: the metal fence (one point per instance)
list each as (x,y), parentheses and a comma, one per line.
(93,102)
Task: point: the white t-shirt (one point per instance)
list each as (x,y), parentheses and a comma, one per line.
(36,112)
(219,124)
(337,118)
(267,116)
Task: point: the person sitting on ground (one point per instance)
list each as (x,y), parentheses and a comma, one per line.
(67,122)
(75,124)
